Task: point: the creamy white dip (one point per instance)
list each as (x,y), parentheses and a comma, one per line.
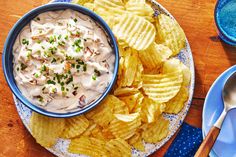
(62,61)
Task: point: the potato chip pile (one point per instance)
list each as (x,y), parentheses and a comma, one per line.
(150,82)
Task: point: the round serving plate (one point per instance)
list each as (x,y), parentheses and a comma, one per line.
(60,148)
(213,106)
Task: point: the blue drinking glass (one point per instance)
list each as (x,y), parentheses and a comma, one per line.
(225,19)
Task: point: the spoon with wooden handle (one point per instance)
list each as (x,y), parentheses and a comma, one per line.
(229,100)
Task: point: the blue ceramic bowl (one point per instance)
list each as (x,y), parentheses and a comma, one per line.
(7,56)
(222,34)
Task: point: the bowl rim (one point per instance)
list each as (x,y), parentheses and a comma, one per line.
(24,20)
(226,38)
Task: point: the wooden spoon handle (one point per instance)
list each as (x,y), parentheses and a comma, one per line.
(208,142)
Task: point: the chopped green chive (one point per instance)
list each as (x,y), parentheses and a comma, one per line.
(25,42)
(53,60)
(94,77)
(77,42)
(36,75)
(69,80)
(47,54)
(80,62)
(52,39)
(77,66)
(43,68)
(38,18)
(54,90)
(52,50)
(59,37)
(40,99)
(59,77)
(38,41)
(62,43)
(28,54)
(66,37)
(62,88)
(75,20)
(69,57)
(17,68)
(51,82)
(78,49)
(85,67)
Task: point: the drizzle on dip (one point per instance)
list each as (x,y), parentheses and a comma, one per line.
(62,61)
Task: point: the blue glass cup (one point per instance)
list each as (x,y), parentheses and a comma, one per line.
(225,19)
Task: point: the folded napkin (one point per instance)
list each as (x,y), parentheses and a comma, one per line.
(186,142)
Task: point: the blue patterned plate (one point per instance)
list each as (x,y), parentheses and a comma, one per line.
(60,149)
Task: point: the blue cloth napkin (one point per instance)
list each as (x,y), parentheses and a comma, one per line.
(186,142)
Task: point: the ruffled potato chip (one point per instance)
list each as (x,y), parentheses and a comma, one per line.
(82,2)
(155,132)
(137,32)
(111,20)
(186,75)
(162,87)
(109,7)
(125,91)
(90,128)
(173,65)
(176,104)
(88,146)
(45,129)
(124,130)
(130,68)
(102,114)
(137,142)
(140,8)
(151,110)
(154,56)
(89,6)
(170,33)
(138,82)
(118,148)
(119,106)
(132,101)
(75,126)
(127,117)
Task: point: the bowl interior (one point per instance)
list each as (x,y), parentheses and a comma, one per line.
(8,56)
(223,35)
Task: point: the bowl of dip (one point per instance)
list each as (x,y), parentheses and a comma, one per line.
(60,60)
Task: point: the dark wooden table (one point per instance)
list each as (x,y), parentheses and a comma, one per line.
(211,58)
